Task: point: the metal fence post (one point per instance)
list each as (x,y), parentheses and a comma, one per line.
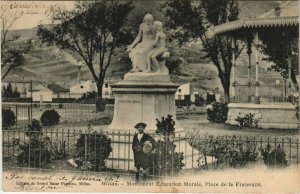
(81,107)
(85,151)
(28,113)
(16,116)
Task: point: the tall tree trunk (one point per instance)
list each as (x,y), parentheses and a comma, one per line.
(294,80)
(100,103)
(225,81)
(226,87)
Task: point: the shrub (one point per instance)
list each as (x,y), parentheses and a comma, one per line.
(58,150)
(88,95)
(165,159)
(35,152)
(98,147)
(34,128)
(217,112)
(230,152)
(166,126)
(50,117)
(274,157)
(8,118)
(247,120)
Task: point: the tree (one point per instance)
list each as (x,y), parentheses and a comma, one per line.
(12,49)
(191,20)
(276,45)
(7,92)
(93,30)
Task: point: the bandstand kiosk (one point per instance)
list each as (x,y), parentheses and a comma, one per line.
(274,114)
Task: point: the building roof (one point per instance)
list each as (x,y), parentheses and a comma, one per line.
(56,88)
(49,87)
(13,78)
(289,16)
(40,87)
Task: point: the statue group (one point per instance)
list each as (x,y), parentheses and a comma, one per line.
(148,50)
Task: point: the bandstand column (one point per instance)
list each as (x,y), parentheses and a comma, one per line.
(249,52)
(256,98)
(233,97)
(289,69)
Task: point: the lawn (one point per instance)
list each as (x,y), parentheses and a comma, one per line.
(197,124)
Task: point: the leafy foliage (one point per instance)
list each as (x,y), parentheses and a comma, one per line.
(34,128)
(93,30)
(190,20)
(7,92)
(247,120)
(13,49)
(36,151)
(274,157)
(217,113)
(50,117)
(165,159)
(172,64)
(278,45)
(8,118)
(166,126)
(230,152)
(92,150)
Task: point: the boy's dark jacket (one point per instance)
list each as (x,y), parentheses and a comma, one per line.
(140,158)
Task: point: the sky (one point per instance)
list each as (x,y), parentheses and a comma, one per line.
(32,12)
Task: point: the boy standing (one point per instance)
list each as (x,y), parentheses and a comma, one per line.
(142,146)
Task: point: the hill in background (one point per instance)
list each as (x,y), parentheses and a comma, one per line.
(49,64)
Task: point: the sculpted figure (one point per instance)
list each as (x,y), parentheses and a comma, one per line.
(142,45)
(159,46)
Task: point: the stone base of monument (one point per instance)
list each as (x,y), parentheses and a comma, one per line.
(143,97)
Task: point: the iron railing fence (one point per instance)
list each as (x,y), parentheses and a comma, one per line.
(267,93)
(73,150)
(69,112)
(61,97)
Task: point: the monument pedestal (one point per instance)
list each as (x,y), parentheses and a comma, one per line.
(143,97)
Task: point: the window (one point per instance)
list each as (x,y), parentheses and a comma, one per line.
(179,90)
(81,86)
(106,85)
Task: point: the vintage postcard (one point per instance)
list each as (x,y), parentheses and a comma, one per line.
(131,96)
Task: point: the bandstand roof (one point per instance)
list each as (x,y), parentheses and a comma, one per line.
(289,16)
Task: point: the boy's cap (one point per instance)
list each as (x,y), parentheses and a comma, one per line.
(140,125)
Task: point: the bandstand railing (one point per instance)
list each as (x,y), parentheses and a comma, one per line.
(267,92)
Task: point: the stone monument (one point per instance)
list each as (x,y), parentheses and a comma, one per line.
(146,93)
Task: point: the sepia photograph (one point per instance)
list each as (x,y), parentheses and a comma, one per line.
(150,96)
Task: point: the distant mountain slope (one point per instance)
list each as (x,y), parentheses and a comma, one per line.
(50,64)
